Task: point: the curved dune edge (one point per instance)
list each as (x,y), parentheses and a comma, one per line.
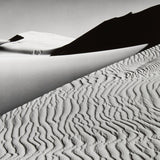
(24,78)
(110,114)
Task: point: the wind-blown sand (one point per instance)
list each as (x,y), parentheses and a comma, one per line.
(26,77)
(111,114)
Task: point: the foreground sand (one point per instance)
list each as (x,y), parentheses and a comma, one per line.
(111,114)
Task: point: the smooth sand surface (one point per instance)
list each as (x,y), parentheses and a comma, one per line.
(38,40)
(111,114)
(26,77)
(2,41)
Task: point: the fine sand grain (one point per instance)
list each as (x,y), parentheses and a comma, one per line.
(111,114)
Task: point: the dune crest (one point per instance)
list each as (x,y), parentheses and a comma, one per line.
(110,114)
(129,30)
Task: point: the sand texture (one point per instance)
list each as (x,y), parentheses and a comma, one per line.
(110,114)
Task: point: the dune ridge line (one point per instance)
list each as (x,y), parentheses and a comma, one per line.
(110,114)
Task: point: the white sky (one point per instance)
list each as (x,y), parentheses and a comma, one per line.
(65,17)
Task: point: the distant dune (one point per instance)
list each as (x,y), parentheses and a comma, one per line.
(112,113)
(31,41)
(129,30)
(2,41)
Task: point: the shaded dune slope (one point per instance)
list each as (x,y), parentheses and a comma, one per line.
(111,114)
(129,30)
(16,38)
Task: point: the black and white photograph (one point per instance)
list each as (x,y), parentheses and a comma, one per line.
(80,80)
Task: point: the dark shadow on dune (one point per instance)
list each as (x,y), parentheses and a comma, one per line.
(130,30)
(16,38)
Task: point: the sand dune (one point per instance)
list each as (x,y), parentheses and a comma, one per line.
(36,41)
(26,77)
(111,114)
(2,41)
(129,30)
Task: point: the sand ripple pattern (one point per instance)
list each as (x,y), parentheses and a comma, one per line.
(111,114)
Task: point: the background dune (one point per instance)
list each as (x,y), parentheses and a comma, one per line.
(32,40)
(119,32)
(25,77)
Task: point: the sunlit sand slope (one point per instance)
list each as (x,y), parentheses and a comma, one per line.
(33,40)
(111,114)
